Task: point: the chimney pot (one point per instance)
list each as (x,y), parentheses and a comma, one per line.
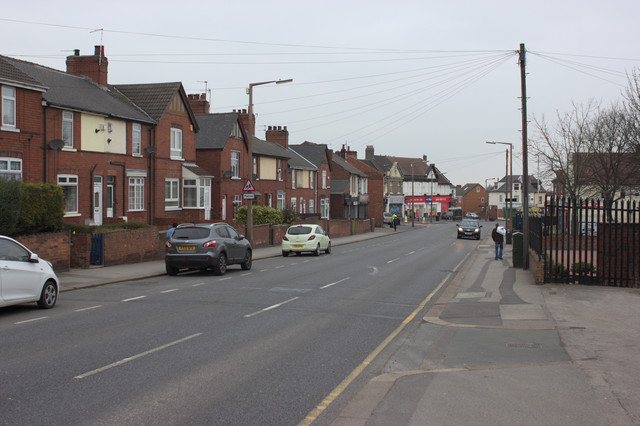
(76,52)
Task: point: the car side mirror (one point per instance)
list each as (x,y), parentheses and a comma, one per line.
(34,258)
(240,237)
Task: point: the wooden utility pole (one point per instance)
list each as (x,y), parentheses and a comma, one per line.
(525,161)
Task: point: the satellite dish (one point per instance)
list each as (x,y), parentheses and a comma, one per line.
(56,144)
(151,149)
(228,174)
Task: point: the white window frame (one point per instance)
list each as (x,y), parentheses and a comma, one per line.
(136,194)
(67,128)
(311,206)
(281,201)
(237,202)
(235,164)
(9,119)
(176,143)
(311,173)
(69,184)
(324,179)
(136,139)
(11,168)
(190,193)
(172,194)
(293,179)
(280,170)
(270,200)
(293,203)
(255,168)
(324,208)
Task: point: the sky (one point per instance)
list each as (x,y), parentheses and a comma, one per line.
(409,77)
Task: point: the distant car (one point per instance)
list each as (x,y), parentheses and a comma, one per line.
(472,215)
(305,238)
(203,246)
(469,228)
(24,277)
(447,215)
(387,218)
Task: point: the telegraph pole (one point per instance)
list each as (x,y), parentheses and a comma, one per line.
(525,161)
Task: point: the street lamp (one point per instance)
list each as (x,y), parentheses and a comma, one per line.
(509,175)
(250,151)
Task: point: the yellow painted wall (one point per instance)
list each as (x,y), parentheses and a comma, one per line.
(268,168)
(98,141)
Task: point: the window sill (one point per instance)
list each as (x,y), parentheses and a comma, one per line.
(9,129)
(176,158)
(72,215)
(69,149)
(136,155)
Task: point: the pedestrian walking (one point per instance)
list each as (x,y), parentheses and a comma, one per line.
(498,237)
(173,228)
(395,220)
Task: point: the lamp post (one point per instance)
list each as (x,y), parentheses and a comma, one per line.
(509,174)
(250,151)
(412,195)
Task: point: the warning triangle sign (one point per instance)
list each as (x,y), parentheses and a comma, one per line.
(248,186)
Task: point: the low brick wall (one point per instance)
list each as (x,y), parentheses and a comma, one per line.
(53,247)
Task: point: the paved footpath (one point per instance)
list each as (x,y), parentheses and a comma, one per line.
(497,349)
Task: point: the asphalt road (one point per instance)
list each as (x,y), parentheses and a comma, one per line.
(264,346)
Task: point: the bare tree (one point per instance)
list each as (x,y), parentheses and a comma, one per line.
(556,147)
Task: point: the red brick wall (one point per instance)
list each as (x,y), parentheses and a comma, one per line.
(53,247)
(472,201)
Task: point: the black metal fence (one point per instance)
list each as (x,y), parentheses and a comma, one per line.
(583,241)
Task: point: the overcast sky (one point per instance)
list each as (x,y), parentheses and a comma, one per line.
(407,77)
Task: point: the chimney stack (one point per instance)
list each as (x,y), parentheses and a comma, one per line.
(368,153)
(95,66)
(199,103)
(279,135)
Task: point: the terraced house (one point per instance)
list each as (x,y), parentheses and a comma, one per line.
(122,152)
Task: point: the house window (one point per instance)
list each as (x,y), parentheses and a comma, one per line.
(324,179)
(255,168)
(11,168)
(235,164)
(477,189)
(69,184)
(190,193)
(194,189)
(8,106)
(303,206)
(280,170)
(293,179)
(270,200)
(237,202)
(501,198)
(293,203)
(136,193)
(311,179)
(176,143)
(324,208)
(281,201)
(516,187)
(171,194)
(311,207)
(67,129)
(136,139)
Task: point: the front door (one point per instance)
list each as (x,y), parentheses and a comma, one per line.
(97,200)
(224,207)
(111,183)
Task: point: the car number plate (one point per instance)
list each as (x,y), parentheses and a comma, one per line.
(187,248)
(297,245)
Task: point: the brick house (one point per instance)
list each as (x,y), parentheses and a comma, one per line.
(375,185)
(320,156)
(221,147)
(123,152)
(349,189)
(473,197)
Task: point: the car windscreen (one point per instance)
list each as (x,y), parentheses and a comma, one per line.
(469,224)
(299,230)
(191,233)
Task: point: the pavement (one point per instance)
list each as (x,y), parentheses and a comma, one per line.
(493,348)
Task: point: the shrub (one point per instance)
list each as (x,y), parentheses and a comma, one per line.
(10,201)
(41,209)
(290,215)
(261,215)
(583,268)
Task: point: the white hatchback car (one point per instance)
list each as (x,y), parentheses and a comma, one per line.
(305,238)
(24,277)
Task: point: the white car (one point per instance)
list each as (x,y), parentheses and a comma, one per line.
(305,238)
(24,277)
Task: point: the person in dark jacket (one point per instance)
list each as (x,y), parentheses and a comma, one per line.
(498,238)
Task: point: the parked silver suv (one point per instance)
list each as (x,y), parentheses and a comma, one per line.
(203,246)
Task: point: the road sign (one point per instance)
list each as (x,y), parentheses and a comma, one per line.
(248,186)
(248,196)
